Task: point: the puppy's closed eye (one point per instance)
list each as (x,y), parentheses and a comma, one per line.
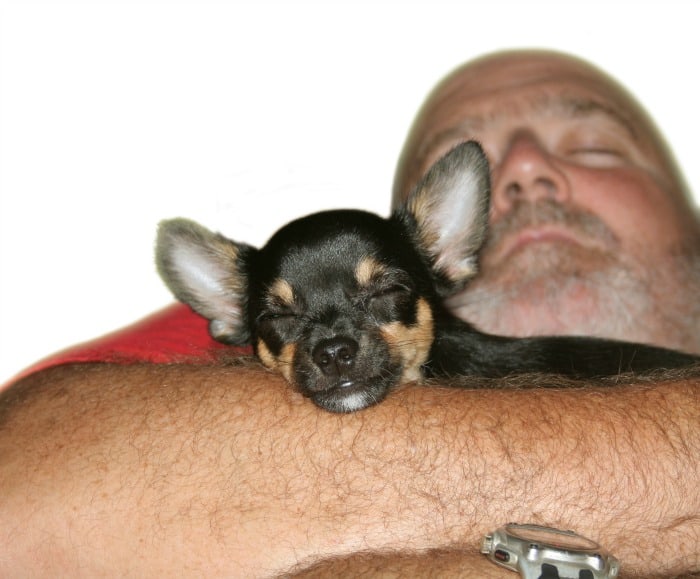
(388,302)
(276,316)
(282,319)
(389,291)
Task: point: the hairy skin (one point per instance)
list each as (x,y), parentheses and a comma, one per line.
(218,471)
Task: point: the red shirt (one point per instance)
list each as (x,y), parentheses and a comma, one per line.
(173,334)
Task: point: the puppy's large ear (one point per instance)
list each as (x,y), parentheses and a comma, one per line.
(448,213)
(207,272)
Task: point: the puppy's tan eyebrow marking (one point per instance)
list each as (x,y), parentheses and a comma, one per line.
(282,290)
(368,269)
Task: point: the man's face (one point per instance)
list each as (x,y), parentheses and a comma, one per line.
(586,213)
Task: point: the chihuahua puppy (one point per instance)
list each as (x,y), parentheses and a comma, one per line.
(346,304)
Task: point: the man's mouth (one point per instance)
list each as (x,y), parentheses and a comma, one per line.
(546,222)
(527,237)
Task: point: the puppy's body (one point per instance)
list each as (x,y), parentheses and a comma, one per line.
(346,304)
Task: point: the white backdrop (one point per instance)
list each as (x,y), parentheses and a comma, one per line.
(114,115)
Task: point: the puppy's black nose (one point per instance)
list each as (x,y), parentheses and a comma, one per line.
(335,355)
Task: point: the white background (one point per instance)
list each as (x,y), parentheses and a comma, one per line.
(114,115)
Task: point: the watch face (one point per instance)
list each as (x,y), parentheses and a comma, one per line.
(545,536)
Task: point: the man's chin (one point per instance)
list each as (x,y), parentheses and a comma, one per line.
(544,260)
(538,285)
(605,296)
(542,297)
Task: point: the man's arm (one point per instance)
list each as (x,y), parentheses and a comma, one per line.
(148,469)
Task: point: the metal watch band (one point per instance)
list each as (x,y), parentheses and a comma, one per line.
(538,552)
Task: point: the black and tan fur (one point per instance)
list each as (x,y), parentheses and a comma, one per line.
(346,304)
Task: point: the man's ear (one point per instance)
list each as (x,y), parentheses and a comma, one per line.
(448,213)
(206,271)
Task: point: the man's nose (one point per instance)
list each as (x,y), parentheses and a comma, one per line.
(526,172)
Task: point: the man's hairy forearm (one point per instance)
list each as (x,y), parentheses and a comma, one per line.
(160,469)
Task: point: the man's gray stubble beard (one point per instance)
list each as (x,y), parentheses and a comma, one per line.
(622,298)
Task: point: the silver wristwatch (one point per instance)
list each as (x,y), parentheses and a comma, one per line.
(545,553)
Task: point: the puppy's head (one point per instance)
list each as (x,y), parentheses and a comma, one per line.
(341,303)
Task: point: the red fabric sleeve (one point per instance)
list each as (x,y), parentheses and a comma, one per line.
(173,334)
